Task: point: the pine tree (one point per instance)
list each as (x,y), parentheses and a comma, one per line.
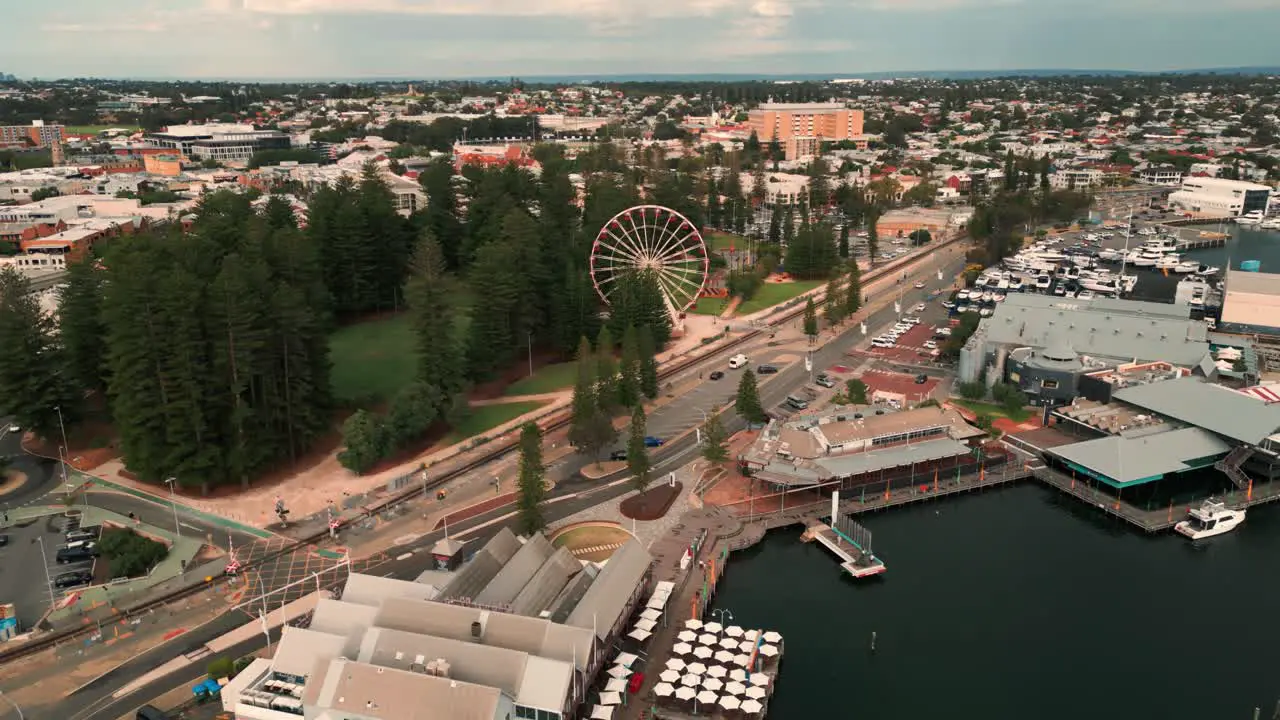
(789,225)
(833,303)
(34,377)
(648,363)
(531,488)
(430,293)
(583,406)
(606,373)
(714,439)
(629,371)
(775,226)
(80,326)
(810,320)
(637,454)
(853,290)
(440,217)
(844,240)
(492,334)
(873,234)
(747,403)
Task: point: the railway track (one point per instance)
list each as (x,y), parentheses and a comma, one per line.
(501,449)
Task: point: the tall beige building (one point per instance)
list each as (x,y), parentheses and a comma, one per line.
(801,127)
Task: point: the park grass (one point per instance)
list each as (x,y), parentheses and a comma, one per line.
(95,129)
(548,378)
(372,360)
(590,536)
(723,241)
(995,411)
(709,306)
(484,418)
(771,294)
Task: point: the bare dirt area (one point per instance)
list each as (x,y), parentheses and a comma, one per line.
(652,503)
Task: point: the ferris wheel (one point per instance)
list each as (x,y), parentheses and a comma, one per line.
(655,239)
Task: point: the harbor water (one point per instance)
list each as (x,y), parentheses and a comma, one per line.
(1243,245)
(1019,603)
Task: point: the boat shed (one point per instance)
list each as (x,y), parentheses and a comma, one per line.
(1122,461)
(1230,414)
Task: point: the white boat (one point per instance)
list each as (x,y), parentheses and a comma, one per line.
(1128,282)
(1104,285)
(1132,256)
(1163,244)
(1146,259)
(1253,217)
(988,296)
(1208,270)
(999,296)
(1015,283)
(1043,282)
(1211,518)
(985,312)
(1186,267)
(962,296)
(1168,262)
(1110,255)
(1085,294)
(1270,224)
(1148,231)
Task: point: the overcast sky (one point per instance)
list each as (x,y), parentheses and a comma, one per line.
(247,39)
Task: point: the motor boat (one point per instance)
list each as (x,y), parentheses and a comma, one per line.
(985,312)
(1107,285)
(1208,271)
(1165,244)
(1060,290)
(1110,255)
(1147,259)
(1186,267)
(1128,282)
(1210,519)
(1085,294)
(1253,217)
(988,296)
(1043,282)
(1270,224)
(1132,256)
(1148,231)
(1015,283)
(999,296)
(1168,262)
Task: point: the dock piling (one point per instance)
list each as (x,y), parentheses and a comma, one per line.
(873,649)
(1257,712)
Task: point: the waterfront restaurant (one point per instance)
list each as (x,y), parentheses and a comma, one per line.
(854,447)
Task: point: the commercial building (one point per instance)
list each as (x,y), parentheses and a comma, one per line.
(815,122)
(940,222)
(852,447)
(518,633)
(1251,303)
(224,142)
(1045,344)
(1076,178)
(37,134)
(1218,197)
(1164,175)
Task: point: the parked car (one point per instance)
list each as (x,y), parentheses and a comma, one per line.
(618,455)
(4,540)
(737,361)
(81,535)
(73,578)
(825,381)
(922,379)
(716,375)
(919,284)
(766,369)
(76,552)
(651,441)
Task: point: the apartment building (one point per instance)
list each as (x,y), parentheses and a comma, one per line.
(1076,178)
(817,122)
(225,142)
(37,134)
(1218,197)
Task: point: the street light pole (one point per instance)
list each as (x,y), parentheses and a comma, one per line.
(48,581)
(14,704)
(173,500)
(529,344)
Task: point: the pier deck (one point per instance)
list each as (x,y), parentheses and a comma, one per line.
(855,561)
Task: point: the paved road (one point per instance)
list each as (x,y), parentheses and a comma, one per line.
(570,496)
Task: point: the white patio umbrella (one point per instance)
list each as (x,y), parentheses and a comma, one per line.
(664,689)
(747,646)
(645,625)
(751,706)
(735,688)
(1224,364)
(772,637)
(734,631)
(708,639)
(669,676)
(702,652)
(616,685)
(619,672)
(685,693)
(639,635)
(610,698)
(706,697)
(738,674)
(657,602)
(697,668)
(691,680)
(729,702)
(651,614)
(626,659)
(728,643)
(756,693)
(602,712)
(687,636)
(742,660)
(713,627)
(682,648)
(712,684)
(1229,353)
(717,671)
(693,624)
(759,679)
(751,635)
(675,664)
(724,656)
(768,650)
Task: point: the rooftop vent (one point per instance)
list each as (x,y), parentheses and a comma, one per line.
(476,630)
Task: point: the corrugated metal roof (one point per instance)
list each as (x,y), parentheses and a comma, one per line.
(483,567)
(1217,409)
(605,600)
(299,648)
(1123,329)
(1132,459)
(511,579)
(355,689)
(371,590)
(550,579)
(897,456)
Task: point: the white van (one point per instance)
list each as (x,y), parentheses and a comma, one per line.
(737,361)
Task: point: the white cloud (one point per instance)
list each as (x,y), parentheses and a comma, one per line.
(112,28)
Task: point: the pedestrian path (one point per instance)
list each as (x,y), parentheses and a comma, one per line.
(188,509)
(595,549)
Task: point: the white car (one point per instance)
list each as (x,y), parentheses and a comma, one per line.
(920,307)
(943,332)
(738,361)
(919,284)
(930,345)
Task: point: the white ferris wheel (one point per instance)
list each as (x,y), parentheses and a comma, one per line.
(655,239)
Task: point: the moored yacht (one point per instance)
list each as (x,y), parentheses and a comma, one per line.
(1043,282)
(1110,255)
(1168,262)
(1187,267)
(1272,223)
(1146,259)
(1253,217)
(1208,270)
(1210,519)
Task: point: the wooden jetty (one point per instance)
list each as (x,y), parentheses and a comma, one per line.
(847,540)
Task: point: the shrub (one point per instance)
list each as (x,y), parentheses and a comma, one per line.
(129,554)
(223,667)
(972,390)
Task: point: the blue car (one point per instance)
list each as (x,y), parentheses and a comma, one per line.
(651,441)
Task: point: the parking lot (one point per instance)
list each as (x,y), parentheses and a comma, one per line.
(25,571)
(902,384)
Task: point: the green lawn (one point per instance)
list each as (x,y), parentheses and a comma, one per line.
(771,294)
(709,306)
(372,360)
(486,417)
(548,378)
(995,411)
(95,129)
(723,240)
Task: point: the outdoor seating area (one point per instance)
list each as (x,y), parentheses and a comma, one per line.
(624,677)
(719,671)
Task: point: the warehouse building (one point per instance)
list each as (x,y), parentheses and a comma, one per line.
(1218,197)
